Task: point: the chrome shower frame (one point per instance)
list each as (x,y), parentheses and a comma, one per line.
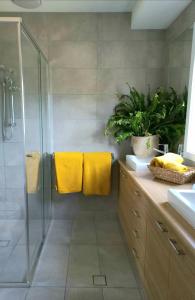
(21,28)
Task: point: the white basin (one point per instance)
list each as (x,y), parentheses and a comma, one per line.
(184,202)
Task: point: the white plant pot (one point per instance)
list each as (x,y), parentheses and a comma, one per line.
(143,146)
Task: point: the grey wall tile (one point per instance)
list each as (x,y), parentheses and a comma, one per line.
(73,54)
(105,105)
(14,176)
(74,107)
(155,78)
(83,264)
(2,177)
(79,26)
(118,54)
(114,81)
(156,54)
(74,81)
(14,154)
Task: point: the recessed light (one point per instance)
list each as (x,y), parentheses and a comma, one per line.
(27,3)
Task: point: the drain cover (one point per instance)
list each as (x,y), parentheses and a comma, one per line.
(4,243)
(99,280)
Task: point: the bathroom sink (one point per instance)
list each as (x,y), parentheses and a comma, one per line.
(184,202)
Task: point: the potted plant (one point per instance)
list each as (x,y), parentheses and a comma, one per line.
(146,118)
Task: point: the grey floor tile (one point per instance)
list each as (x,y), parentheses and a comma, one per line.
(108,232)
(59,232)
(46,293)
(15,268)
(83,231)
(115,264)
(121,294)
(83,264)
(52,266)
(13,293)
(105,216)
(84,294)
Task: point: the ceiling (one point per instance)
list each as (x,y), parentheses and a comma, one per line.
(74,6)
(146,14)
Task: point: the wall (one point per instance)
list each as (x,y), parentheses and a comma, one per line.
(92,56)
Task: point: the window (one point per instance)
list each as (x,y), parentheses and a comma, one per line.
(189,144)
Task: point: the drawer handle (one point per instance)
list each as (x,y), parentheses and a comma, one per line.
(135,234)
(173,244)
(123,175)
(135,213)
(137,193)
(161,226)
(134,253)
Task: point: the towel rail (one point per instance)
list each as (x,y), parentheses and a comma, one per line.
(111,154)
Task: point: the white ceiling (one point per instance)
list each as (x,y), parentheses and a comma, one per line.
(156,14)
(146,14)
(73,6)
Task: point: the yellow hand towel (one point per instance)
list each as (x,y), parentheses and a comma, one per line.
(32,171)
(97,173)
(69,168)
(169,161)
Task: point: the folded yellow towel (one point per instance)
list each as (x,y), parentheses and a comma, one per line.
(97,173)
(32,172)
(69,168)
(169,161)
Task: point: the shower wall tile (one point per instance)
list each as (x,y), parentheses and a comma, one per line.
(156,54)
(2,177)
(14,177)
(73,54)
(1,154)
(14,154)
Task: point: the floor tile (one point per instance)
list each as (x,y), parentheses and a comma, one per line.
(15,268)
(83,264)
(59,232)
(121,294)
(108,232)
(13,293)
(115,264)
(84,294)
(46,293)
(83,231)
(105,216)
(52,266)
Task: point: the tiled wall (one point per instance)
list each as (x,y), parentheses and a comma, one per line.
(178,61)
(92,56)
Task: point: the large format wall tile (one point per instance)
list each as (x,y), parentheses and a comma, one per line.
(79,26)
(73,54)
(74,81)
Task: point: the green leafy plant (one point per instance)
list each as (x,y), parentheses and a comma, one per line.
(162,112)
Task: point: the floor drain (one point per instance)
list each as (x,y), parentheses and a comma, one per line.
(99,280)
(4,243)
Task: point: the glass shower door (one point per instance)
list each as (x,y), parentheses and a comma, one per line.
(46,143)
(33,145)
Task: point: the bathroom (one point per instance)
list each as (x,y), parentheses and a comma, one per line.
(67,62)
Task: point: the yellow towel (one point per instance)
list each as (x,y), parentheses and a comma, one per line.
(170,161)
(32,171)
(97,173)
(69,168)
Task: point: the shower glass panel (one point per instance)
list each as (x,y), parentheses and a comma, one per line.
(13,247)
(46,143)
(25,156)
(33,144)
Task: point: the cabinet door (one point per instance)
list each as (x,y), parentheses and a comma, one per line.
(157,260)
(182,274)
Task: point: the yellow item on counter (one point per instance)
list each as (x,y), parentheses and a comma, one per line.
(32,172)
(69,169)
(170,161)
(97,173)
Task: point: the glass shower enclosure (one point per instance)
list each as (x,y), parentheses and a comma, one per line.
(25,159)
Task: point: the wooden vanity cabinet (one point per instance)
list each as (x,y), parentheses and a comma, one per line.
(165,265)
